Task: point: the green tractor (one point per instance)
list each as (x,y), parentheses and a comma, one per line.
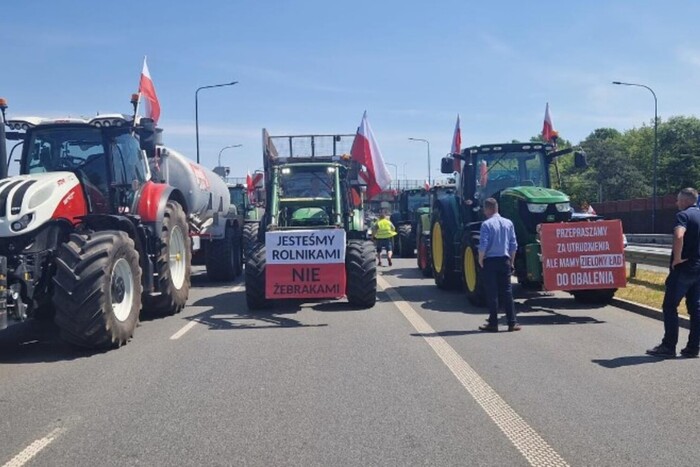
(518,177)
(422,232)
(313,199)
(406,220)
(251,210)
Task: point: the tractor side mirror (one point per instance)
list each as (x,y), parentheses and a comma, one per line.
(147,135)
(447,165)
(580,161)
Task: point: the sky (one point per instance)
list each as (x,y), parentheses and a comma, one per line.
(313,67)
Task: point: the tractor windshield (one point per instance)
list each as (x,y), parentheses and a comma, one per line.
(497,171)
(306,183)
(417,200)
(238,195)
(64,148)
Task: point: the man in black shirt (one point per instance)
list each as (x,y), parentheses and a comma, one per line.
(683,278)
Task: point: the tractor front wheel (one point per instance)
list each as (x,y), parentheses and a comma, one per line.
(471,273)
(255,278)
(423,256)
(406,241)
(361,272)
(97,289)
(442,252)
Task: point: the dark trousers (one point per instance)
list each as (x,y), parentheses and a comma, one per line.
(499,290)
(681,284)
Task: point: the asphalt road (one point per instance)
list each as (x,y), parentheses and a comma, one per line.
(409,382)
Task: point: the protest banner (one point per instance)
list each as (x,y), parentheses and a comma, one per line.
(305,264)
(583,255)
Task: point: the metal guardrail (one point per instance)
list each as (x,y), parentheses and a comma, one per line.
(650,239)
(648,255)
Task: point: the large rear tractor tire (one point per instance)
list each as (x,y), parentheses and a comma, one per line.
(97,289)
(361,273)
(594,297)
(173,264)
(423,256)
(471,274)
(406,240)
(224,261)
(442,253)
(255,278)
(250,236)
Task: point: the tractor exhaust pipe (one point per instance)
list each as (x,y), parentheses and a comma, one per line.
(3,140)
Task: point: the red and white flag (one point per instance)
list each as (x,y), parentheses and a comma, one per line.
(249,187)
(366,151)
(426,185)
(548,131)
(148,90)
(457,145)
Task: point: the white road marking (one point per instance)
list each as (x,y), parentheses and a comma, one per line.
(193,323)
(33,449)
(525,439)
(183,330)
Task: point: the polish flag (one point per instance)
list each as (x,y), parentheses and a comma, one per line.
(457,145)
(148,90)
(249,184)
(426,185)
(548,131)
(366,151)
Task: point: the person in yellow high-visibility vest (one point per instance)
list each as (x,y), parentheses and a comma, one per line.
(383,231)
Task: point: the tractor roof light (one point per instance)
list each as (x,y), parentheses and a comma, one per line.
(331,170)
(286,170)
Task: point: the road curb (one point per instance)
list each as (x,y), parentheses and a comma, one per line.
(647,311)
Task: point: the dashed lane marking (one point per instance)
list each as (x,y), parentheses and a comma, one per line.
(525,439)
(33,449)
(193,323)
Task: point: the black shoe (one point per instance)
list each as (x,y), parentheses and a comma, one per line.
(689,353)
(489,327)
(514,327)
(662,351)
(380,264)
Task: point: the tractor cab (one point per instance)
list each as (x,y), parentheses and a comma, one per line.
(103,153)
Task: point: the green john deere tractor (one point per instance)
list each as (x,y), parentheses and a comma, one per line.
(313,188)
(406,220)
(518,177)
(422,233)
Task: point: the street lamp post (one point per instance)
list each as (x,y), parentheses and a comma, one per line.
(396,172)
(196,108)
(227,147)
(656,150)
(428,143)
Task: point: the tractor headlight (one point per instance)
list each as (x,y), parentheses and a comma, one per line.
(286,170)
(563,207)
(22,223)
(536,208)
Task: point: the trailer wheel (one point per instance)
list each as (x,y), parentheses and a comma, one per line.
(442,253)
(423,257)
(598,297)
(223,257)
(406,241)
(361,272)
(97,291)
(255,278)
(471,273)
(173,264)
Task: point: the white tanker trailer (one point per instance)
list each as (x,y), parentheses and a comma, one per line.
(101,224)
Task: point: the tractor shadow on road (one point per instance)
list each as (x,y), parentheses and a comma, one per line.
(38,342)
(228,311)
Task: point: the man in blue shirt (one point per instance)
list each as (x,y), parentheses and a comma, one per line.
(683,278)
(497,248)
